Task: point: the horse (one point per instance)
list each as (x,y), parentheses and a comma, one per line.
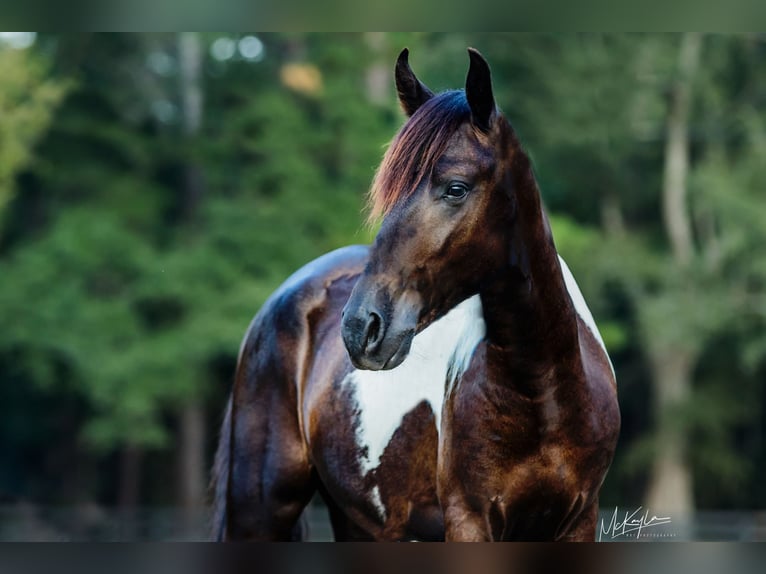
(446,383)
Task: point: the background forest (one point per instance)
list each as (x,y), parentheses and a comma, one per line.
(155,188)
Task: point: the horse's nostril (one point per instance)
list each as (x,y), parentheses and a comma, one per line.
(373,332)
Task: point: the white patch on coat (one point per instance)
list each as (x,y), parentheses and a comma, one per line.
(582,308)
(444,348)
(378,502)
(384,397)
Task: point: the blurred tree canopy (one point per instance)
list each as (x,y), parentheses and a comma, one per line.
(147,212)
(27,100)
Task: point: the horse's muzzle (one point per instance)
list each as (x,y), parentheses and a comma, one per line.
(375,339)
(363,332)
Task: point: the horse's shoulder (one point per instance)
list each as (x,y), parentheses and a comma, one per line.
(601,412)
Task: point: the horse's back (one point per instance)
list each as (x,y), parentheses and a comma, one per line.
(304,292)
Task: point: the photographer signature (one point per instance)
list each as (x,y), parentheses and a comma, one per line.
(633,522)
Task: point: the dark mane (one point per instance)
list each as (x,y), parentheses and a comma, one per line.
(415,149)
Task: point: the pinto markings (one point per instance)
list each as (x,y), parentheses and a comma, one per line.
(440,354)
(581,307)
(443,349)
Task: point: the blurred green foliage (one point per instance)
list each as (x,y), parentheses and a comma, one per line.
(121,302)
(27,99)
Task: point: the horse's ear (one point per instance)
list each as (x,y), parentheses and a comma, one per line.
(412,92)
(478,91)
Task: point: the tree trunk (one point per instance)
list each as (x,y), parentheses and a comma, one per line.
(191,454)
(670,487)
(190,60)
(611,215)
(191,466)
(129,489)
(378,75)
(674,208)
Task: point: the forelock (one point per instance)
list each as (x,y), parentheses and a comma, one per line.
(414,151)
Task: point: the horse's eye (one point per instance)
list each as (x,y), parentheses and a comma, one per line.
(455,190)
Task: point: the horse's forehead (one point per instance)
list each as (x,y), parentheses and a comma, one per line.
(467,147)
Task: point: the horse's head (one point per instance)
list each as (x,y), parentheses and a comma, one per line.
(444,191)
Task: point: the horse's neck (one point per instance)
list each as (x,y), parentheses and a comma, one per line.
(531,321)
